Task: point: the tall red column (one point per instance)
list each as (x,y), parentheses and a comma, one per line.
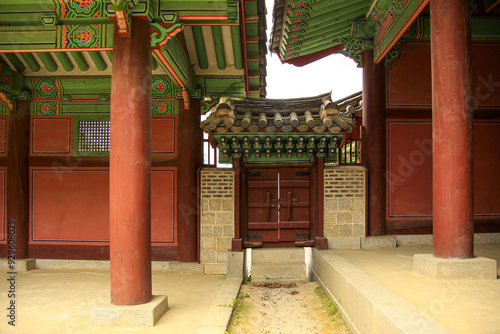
(130,167)
(189,160)
(18,134)
(374,142)
(453,208)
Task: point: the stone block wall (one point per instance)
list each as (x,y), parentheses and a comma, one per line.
(217,218)
(344,214)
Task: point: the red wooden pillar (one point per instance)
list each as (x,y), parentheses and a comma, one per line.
(453,208)
(237,242)
(130,167)
(189,160)
(18,136)
(374,142)
(320,242)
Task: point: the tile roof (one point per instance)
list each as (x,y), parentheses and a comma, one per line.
(316,114)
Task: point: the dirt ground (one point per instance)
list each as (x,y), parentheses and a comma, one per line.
(269,308)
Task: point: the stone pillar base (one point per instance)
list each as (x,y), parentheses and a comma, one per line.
(235,264)
(386,241)
(20,265)
(477,268)
(143,315)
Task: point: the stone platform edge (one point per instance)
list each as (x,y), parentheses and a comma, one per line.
(168,266)
(366,304)
(217,318)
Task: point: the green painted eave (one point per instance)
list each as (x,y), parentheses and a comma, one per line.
(36,38)
(300,27)
(50,12)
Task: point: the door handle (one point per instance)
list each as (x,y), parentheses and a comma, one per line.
(279,206)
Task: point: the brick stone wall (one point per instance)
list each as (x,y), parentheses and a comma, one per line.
(217,218)
(344,202)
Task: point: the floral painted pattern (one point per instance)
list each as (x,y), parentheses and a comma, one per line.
(84,3)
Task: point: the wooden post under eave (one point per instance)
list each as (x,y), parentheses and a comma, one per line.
(130,167)
(320,242)
(188,162)
(453,209)
(374,141)
(18,136)
(237,242)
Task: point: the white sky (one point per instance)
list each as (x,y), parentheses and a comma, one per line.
(335,73)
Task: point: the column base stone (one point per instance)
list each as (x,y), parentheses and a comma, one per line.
(143,315)
(235,264)
(20,265)
(477,268)
(375,242)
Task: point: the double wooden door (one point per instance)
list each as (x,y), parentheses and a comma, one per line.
(278,209)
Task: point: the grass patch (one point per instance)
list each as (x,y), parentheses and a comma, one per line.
(330,306)
(239,309)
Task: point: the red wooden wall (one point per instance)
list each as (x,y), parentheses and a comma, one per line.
(409,149)
(69,194)
(409,76)
(409,181)
(3,180)
(71,206)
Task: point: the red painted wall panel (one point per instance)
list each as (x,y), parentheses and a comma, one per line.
(71,206)
(3,135)
(486,168)
(3,220)
(409,77)
(163,135)
(51,135)
(163,207)
(486,75)
(409,181)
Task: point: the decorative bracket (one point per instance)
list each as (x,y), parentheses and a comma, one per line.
(185,98)
(413,32)
(354,48)
(164,32)
(122,16)
(206,106)
(9,99)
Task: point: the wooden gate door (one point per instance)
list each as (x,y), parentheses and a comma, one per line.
(278,206)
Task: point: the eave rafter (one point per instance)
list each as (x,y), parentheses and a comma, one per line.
(75,38)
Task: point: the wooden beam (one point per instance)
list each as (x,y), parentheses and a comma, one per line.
(493,6)
(237,50)
(110,56)
(388,36)
(98,60)
(18,65)
(65,61)
(201,51)
(80,61)
(48,61)
(31,61)
(219,47)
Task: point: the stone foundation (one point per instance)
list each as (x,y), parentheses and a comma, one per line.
(344,216)
(217,219)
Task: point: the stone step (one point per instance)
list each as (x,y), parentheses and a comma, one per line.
(285,272)
(277,256)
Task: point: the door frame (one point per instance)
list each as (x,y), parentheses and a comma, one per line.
(316,200)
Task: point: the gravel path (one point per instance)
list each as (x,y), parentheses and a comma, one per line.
(300,308)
